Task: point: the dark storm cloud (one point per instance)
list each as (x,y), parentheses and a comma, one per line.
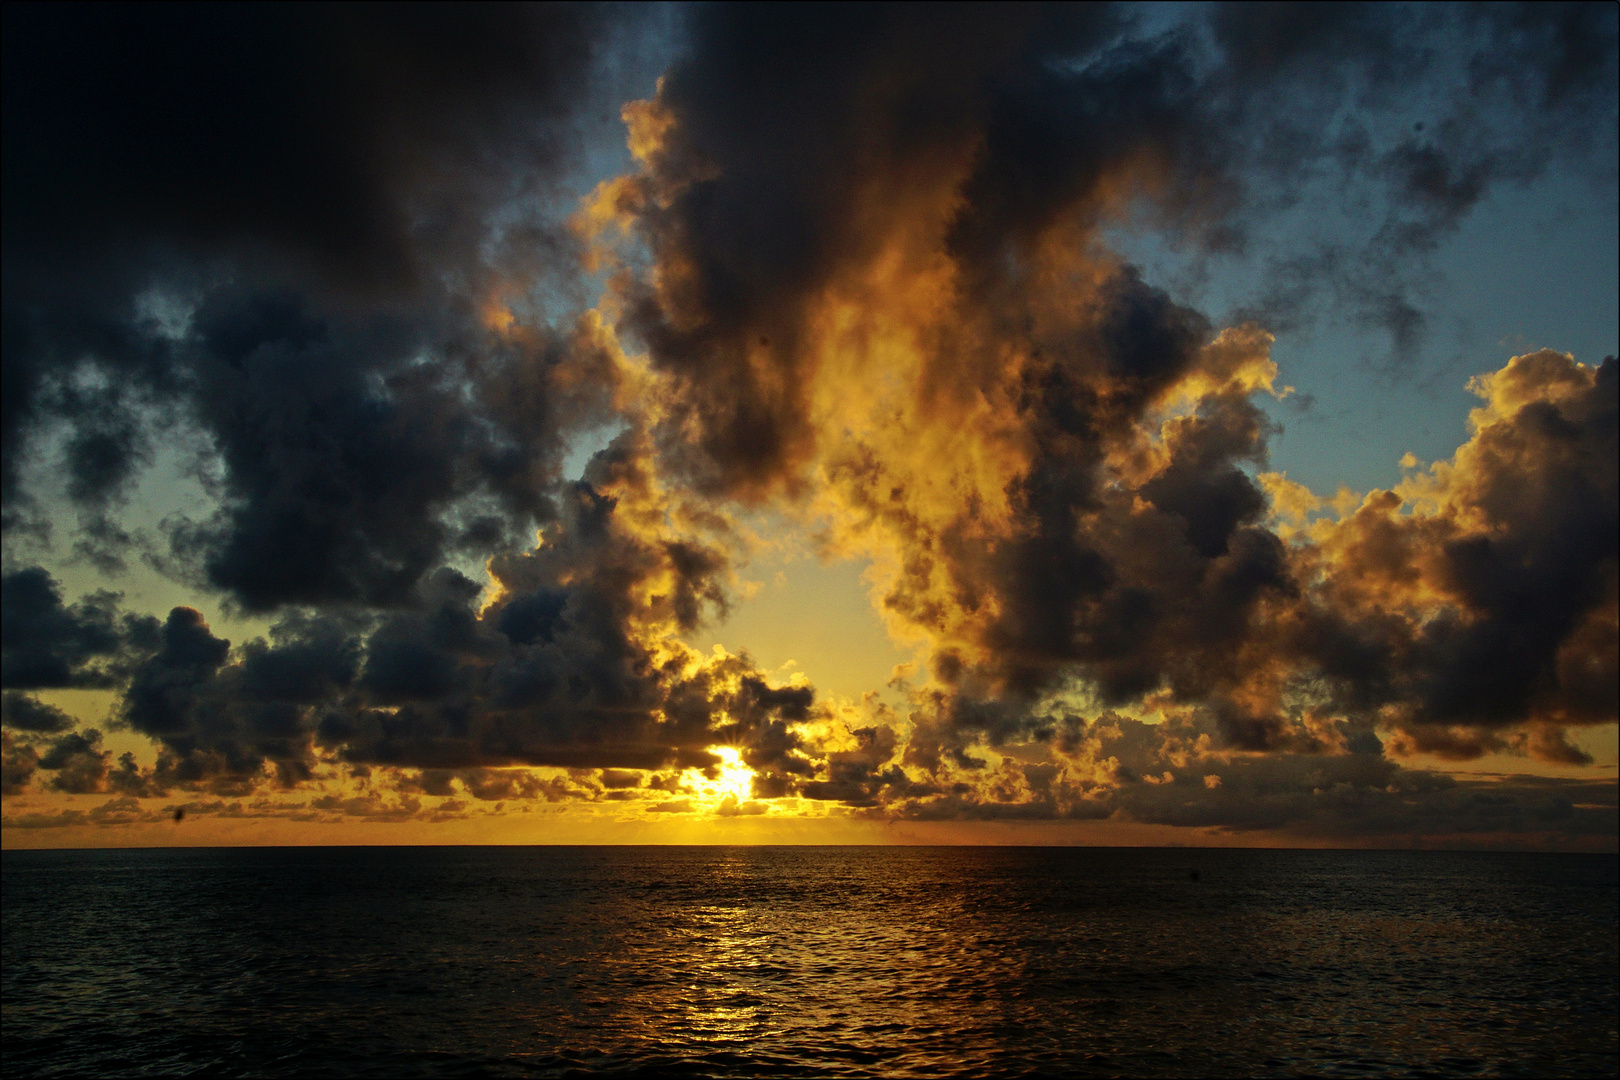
(796,131)
(1484,622)
(161,689)
(558,670)
(78,766)
(1042,111)
(1068,598)
(343,449)
(311,129)
(866,776)
(1041,115)
(289,181)
(18,762)
(308,243)
(561,674)
(24,712)
(49,645)
(799,140)
(78,761)
(1222,122)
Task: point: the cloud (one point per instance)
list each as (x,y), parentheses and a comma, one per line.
(866,254)
(49,645)
(112,813)
(1177,773)
(272,274)
(359,456)
(18,762)
(961,176)
(24,712)
(79,766)
(574,661)
(907,323)
(308,129)
(1390,125)
(78,761)
(1481,594)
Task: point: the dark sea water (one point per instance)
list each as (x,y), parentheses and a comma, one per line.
(807,962)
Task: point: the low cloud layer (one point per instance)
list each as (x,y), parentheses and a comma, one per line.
(856,276)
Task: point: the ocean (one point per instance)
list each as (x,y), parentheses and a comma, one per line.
(793,961)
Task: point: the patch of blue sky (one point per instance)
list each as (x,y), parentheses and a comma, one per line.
(1532,266)
(585,444)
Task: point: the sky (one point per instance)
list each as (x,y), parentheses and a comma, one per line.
(1105,424)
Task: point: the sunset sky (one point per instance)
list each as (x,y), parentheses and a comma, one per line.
(1105,425)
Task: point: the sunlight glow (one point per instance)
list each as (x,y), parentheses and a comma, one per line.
(733,779)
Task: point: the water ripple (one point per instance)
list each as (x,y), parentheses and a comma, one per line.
(827,962)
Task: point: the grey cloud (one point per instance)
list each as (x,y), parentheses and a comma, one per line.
(24,712)
(1529,631)
(1171,582)
(353,450)
(313,175)
(18,762)
(547,674)
(79,762)
(1156,775)
(48,644)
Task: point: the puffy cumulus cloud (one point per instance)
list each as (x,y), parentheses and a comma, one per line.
(78,766)
(1475,606)
(906,318)
(572,659)
(1471,610)
(358,458)
(82,767)
(831,195)
(17,764)
(879,292)
(312,253)
(351,455)
(24,712)
(904,314)
(46,644)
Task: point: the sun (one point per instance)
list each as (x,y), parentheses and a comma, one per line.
(735,780)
